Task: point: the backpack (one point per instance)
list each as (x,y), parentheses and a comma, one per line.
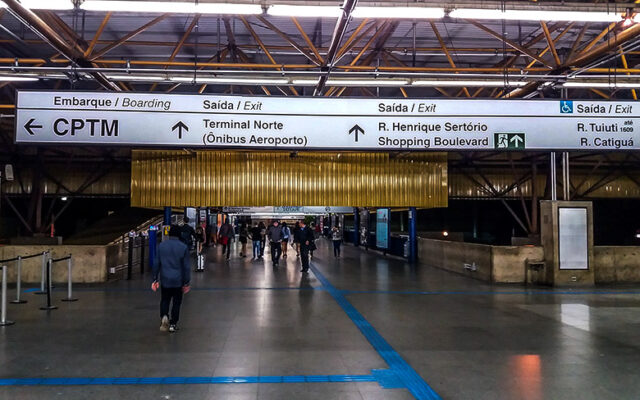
(185,235)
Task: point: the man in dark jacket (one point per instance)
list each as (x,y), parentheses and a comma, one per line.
(224,236)
(307,243)
(172,274)
(276,236)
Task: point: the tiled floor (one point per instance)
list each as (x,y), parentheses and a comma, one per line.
(466,339)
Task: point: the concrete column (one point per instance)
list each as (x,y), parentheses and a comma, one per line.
(356,226)
(167,216)
(413,236)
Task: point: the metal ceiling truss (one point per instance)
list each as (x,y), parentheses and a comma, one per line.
(543,58)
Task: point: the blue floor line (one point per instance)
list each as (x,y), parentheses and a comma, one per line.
(177,380)
(485,293)
(212,289)
(404,372)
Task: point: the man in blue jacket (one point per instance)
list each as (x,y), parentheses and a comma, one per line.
(171,265)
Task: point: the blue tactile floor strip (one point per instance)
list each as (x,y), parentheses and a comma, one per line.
(196,380)
(197,289)
(405,373)
(488,293)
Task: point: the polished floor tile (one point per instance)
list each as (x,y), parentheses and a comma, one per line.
(467,339)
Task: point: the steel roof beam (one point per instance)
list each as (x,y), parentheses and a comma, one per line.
(44,31)
(336,38)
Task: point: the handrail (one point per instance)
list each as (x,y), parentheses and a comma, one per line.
(54,260)
(10,259)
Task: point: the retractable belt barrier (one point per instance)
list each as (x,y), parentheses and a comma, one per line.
(3,314)
(69,297)
(18,300)
(45,287)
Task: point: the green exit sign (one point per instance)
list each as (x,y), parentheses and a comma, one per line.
(509,141)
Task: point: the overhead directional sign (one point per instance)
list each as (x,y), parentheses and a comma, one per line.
(296,123)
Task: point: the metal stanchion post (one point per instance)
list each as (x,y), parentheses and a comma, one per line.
(142,243)
(19,283)
(44,271)
(49,306)
(130,259)
(69,287)
(3,313)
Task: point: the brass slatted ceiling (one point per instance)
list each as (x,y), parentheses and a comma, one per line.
(233,178)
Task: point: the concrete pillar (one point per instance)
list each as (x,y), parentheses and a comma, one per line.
(356,226)
(167,216)
(413,235)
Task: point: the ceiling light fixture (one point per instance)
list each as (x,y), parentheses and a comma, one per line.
(628,18)
(284,10)
(469,83)
(200,80)
(535,15)
(606,85)
(398,12)
(9,78)
(180,7)
(367,82)
(45,4)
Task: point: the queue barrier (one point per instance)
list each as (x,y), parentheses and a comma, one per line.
(18,299)
(46,284)
(69,297)
(3,314)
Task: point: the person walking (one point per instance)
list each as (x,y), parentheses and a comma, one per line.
(243,233)
(296,238)
(276,237)
(307,243)
(172,274)
(286,235)
(314,229)
(336,238)
(256,238)
(187,233)
(263,240)
(225,235)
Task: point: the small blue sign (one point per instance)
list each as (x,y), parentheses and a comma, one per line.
(566,106)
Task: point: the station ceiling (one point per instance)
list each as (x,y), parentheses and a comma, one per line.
(146,52)
(182,53)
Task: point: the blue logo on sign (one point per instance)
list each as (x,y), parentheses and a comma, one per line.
(566,107)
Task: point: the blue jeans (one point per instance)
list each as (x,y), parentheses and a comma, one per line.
(256,248)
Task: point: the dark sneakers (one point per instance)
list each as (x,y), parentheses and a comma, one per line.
(173,328)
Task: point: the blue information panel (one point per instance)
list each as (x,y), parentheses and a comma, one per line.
(382,228)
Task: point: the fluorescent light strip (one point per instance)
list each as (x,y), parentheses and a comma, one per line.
(398,12)
(234,81)
(8,78)
(535,15)
(479,83)
(44,4)
(304,11)
(606,85)
(171,7)
(199,80)
(366,82)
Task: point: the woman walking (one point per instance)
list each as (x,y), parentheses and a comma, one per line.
(336,238)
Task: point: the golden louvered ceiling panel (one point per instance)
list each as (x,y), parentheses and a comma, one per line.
(207,178)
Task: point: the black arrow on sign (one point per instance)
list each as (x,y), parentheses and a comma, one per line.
(357,129)
(180,126)
(29,126)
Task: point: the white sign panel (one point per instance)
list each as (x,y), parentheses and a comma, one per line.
(573,240)
(298,123)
